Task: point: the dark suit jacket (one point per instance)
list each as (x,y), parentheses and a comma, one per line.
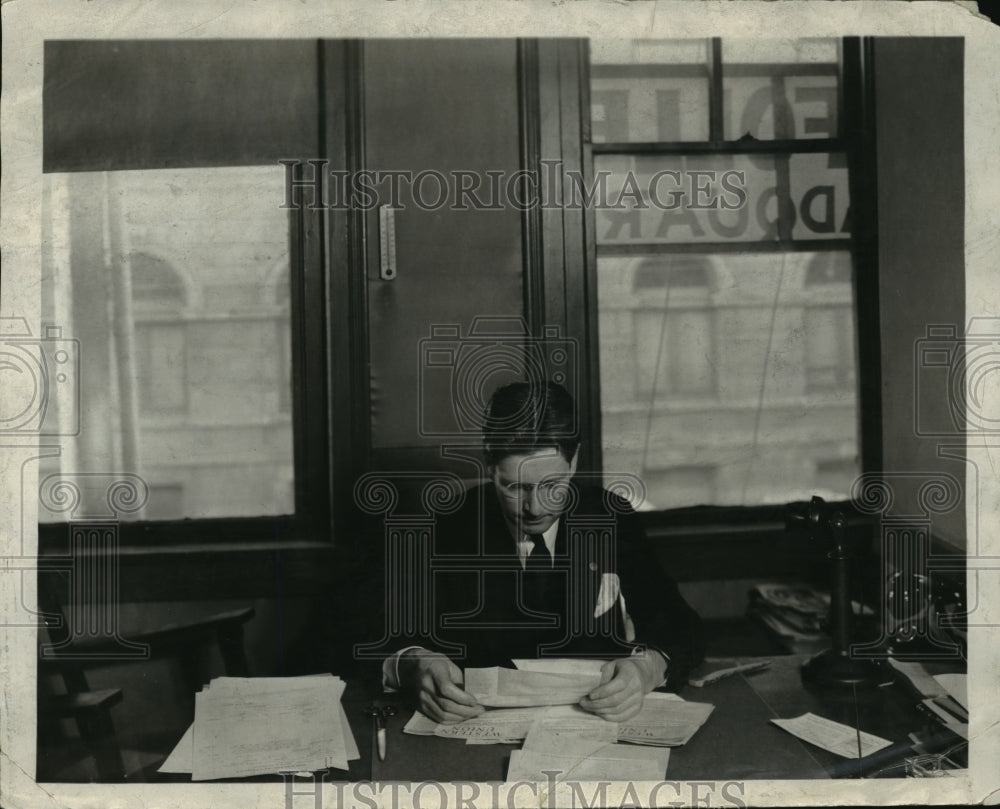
(486,610)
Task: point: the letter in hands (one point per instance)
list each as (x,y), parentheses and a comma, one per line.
(435,683)
(624,684)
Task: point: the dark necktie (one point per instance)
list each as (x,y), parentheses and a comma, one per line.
(539,558)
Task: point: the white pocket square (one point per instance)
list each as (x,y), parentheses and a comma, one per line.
(607,596)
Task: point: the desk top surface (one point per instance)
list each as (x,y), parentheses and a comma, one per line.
(737,742)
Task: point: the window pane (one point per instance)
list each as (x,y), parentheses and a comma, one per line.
(820,196)
(649,90)
(175,283)
(780,89)
(718,198)
(739,389)
(798,50)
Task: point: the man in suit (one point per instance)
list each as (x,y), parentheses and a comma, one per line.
(538,562)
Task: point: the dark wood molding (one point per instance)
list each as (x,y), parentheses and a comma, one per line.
(350,424)
(704,70)
(595,458)
(859,131)
(769,246)
(529,116)
(715,92)
(309,400)
(722,147)
(215,572)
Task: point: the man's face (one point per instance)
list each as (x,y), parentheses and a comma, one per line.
(532,488)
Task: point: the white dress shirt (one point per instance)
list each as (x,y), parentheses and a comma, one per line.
(525,545)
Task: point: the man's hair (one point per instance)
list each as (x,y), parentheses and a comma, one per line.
(524,417)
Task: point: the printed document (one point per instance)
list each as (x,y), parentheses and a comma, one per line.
(832,736)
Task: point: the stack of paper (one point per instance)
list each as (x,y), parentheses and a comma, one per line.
(258,726)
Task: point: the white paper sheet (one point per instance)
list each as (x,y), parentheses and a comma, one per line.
(614,763)
(561,665)
(508,688)
(180,760)
(573,737)
(420,725)
(511,724)
(832,736)
(665,720)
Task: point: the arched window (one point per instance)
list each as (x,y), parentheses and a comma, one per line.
(673,324)
(160,297)
(828,320)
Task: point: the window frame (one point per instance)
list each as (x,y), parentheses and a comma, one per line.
(856,140)
(311,519)
(312,234)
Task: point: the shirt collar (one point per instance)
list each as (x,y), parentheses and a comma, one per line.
(524,544)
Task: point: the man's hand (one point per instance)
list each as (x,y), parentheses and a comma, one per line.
(436,683)
(624,684)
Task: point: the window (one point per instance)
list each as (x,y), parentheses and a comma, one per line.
(181,306)
(724,284)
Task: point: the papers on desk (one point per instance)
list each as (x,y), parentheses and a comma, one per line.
(664,721)
(832,736)
(500,726)
(509,688)
(559,748)
(586,761)
(509,725)
(257,726)
(945,696)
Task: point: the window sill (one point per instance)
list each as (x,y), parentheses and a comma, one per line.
(205,571)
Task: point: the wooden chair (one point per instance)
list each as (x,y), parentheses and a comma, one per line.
(65,696)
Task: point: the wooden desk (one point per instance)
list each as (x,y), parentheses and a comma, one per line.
(737,742)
